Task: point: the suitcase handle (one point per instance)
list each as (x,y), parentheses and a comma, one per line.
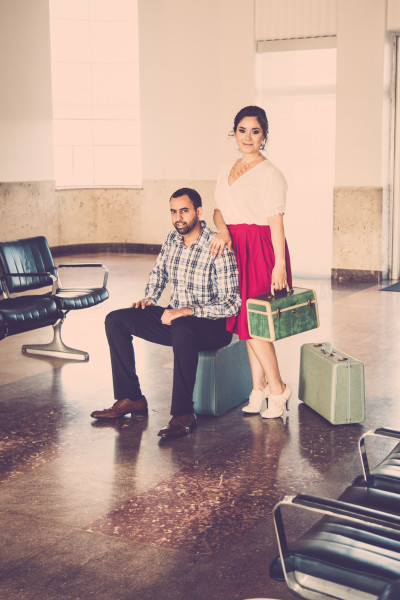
(327,349)
(281,293)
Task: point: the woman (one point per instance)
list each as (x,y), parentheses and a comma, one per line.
(250,201)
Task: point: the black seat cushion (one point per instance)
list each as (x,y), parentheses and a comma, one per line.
(351,554)
(74,299)
(357,556)
(386,475)
(382,500)
(28,312)
(392,591)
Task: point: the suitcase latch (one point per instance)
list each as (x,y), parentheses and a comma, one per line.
(278,313)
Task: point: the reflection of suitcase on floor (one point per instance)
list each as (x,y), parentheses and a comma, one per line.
(332,383)
(280,315)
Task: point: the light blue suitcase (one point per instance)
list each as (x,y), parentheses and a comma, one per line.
(223,379)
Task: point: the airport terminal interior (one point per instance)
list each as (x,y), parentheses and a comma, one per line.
(110,510)
(106,108)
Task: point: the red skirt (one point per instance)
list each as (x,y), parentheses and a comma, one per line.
(255,256)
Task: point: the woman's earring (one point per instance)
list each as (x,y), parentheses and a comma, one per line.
(262,145)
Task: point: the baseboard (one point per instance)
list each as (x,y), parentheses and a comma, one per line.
(104,247)
(357,275)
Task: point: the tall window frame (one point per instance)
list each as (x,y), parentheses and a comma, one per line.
(303,147)
(95,91)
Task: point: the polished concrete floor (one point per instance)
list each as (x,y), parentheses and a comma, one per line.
(110,511)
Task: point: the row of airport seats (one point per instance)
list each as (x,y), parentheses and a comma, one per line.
(26,267)
(352,551)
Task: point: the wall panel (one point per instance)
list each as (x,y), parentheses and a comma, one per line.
(286,19)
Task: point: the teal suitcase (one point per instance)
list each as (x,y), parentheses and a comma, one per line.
(332,383)
(223,379)
(274,317)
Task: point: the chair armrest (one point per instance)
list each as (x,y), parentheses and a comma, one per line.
(347,510)
(30,274)
(333,508)
(3,277)
(80,265)
(383,432)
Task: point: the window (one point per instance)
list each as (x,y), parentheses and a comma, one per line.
(95,86)
(298,91)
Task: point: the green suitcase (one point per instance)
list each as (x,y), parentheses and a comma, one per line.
(332,383)
(280,315)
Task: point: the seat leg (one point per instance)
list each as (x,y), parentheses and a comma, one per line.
(56,346)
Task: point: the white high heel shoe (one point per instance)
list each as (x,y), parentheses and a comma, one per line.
(277,404)
(256,399)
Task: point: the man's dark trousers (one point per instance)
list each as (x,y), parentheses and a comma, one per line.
(186,335)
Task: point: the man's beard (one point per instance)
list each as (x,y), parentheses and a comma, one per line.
(188,227)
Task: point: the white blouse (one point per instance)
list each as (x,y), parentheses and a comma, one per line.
(253,197)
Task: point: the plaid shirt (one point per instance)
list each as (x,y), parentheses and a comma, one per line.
(209,285)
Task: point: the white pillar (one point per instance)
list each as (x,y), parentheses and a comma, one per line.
(361,141)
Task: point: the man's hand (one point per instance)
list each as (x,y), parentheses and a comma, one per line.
(142,303)
(170,314)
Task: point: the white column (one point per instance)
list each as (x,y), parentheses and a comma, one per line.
(360,226)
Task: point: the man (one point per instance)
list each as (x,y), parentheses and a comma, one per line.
(204,291)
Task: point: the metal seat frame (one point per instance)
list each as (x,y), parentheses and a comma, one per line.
(314,588)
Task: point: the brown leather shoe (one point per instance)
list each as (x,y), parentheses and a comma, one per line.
(179,426)
(121,408)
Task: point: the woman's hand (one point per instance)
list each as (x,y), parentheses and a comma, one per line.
(279,277)
(219,241)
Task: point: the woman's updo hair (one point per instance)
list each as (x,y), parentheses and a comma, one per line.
(253,111)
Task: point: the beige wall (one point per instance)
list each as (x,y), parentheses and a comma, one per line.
(357,218)
(360,92)
(110,216)
(25,98)
(197,71)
